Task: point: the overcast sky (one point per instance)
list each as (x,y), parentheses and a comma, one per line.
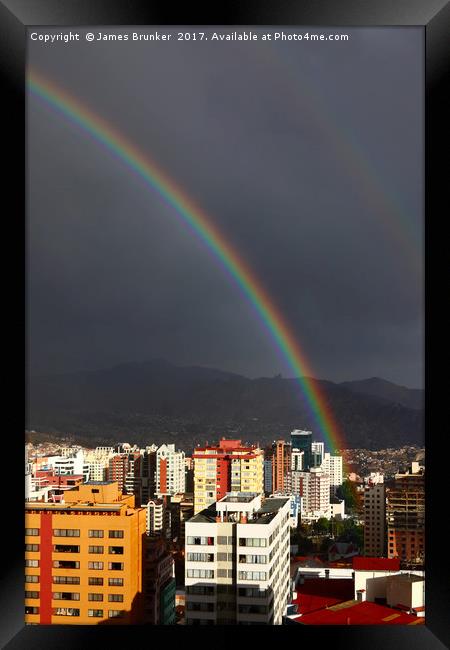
(307,156)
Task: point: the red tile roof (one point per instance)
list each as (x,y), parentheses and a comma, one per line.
(354,613)
(376,564)
(318,593)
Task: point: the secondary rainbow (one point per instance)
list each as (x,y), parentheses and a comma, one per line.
(202,225)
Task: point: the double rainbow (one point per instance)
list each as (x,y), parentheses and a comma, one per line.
(204,228)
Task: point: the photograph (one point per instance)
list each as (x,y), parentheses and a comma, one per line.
(225,327)
(227,232)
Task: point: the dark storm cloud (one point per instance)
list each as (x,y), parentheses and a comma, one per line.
(269,141)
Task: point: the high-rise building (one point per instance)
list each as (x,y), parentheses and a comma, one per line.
(281,466)
(406,516)
(228,466)
(268,475)
(170,471)
(317,453)
(237,561)
(302,440)
(159,583)
(84,558)
(314,488)
(155,517)
(374,520)
(297,460)
(332,465)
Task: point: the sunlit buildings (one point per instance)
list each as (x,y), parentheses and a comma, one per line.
(84,558)
(237,561)
(227,466)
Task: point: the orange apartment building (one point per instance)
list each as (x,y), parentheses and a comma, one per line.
(84,558)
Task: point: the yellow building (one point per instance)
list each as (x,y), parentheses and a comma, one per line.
(84,558)
(226,467)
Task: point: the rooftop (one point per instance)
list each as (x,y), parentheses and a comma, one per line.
(352,612)
(263,515)
(376,564)
(318,593)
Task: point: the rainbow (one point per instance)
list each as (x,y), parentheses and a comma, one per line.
(203,227)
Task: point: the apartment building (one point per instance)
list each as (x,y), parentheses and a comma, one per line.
(374,520)
(84,558)
(228,466)
(281,466)
(332,465)
(170,471)
(406,516)
(237,561)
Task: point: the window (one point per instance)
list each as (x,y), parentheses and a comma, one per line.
(221,540)
(201,541)
(95,581)
(221,573)
(252,541)
(65,595)
(116,550)
(66,532)
(31,594)
(95,597)
(31,578)
(95,565)
(66,548)
(252,575)
(65,611)
(33,563)
(253,559)
(115,582)
(32,531)
(252,592)
(115,598)
(95,533)
(221,557)
(200,557)
(95,549)
(116,613)
(116,533)
(32,547)
(95,613)
(31,610)
(66,580)
(66,564)
(115,566)
(200,573)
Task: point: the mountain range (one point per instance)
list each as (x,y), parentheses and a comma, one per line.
(156,399)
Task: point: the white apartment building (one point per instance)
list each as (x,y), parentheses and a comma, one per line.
(374,520)
(297,460)
(155,517)
(237,561)
(71,462)
(318,453)
(332,465)
(374,478)
(170,471)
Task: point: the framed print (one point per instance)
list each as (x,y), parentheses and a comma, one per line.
(230,221)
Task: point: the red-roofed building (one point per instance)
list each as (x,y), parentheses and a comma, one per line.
(376,564)
(353,613)
(318,593)
(226,467)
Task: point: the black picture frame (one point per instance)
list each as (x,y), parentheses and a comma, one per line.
(15,17)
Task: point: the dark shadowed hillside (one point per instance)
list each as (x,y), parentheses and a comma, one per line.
(412,398)
(159,399)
